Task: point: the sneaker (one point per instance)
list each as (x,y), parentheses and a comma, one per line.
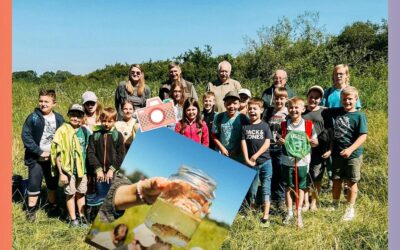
(288,219)
(305,208)
(264,223)
(31,214)
(53,211)
(83,221)
(300,222)
(74,223)
(349,214)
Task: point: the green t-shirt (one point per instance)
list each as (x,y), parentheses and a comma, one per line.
(83,141)
(347,127)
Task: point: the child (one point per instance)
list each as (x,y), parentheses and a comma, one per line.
(315,113)
(274,117)
(128,126)
(341,79)
(191,124)
(177,94)
(105,152)
(37,133)
(68,155)
(255,143)
(244,95)
(208,114)
(296,123)
(227,128)
(92,110)
(350,132)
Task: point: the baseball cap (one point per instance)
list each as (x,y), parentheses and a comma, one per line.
(76,107)
(233,94)
(246,92)
(317,88)
(89,96)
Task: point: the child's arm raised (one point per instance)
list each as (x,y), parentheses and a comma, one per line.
(348,151)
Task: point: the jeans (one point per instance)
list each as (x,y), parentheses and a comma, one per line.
(264,173)
(277,185)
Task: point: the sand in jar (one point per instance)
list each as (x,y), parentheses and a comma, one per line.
(171,223)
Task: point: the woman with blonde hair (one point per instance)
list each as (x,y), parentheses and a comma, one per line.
(134,90)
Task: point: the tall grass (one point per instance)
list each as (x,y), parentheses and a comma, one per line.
(323,230)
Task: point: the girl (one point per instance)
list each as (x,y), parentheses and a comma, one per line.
(177,94)
(92,110)
(134,90)
(128,126)
(191,124)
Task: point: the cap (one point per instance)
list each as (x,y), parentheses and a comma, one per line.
(246,92)
(76,107)
(89,96)
(317,88)
(144,235)
(233,94)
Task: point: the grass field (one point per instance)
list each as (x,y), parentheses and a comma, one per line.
(323,230)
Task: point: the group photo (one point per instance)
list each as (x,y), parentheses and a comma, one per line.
(302,106)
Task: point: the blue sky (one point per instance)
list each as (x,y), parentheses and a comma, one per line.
(161,152)
(81,36)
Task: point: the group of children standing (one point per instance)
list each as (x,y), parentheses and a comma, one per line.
(86,152)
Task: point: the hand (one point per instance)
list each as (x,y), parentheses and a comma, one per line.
(346,153)
(109,176)
(100,176)
(253,158)
(251,163)
(152,188)
(224,151)
(281,141)
(63,179)
(326,154)
(45,155)
(314,142)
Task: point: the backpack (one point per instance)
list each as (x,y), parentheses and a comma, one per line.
(220,116)
(308,131)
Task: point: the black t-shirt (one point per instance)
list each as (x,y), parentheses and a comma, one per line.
(208,118)
(255,136)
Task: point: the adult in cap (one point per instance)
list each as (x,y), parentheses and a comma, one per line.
(245,96)
(175,75)
(92,109)
(223,85)
(279,80)
(134,90)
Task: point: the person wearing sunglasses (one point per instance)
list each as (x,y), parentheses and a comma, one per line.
(134,89)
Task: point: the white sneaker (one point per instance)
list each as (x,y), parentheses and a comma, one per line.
(349,214)
(300,222)
(287,219)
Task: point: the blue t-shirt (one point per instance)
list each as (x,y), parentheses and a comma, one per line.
(332,99)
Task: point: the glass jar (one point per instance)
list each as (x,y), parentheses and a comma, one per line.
(177,213)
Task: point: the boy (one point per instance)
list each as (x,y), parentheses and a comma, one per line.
(296,123)
(245,96)
(315,113)
(68,155)
(227,127)
(37,134)
(274,117)
(105,153)
(208,114)
(350,132)
(255,143)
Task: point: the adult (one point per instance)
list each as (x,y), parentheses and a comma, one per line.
(175,74)
(223,85)
(134,90)
(279,80)
(341,79)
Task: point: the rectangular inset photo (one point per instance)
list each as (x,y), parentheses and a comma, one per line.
(171,193)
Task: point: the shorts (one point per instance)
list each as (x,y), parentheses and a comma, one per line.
(76,185)
(36,171)
(317,172)
(346,169)
(289,177)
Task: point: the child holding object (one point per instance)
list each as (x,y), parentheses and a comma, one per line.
(37,134)
(255,145)
(68,155)
(128,127)
(105,152)
(350,132)
(296,123)
(191,124)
